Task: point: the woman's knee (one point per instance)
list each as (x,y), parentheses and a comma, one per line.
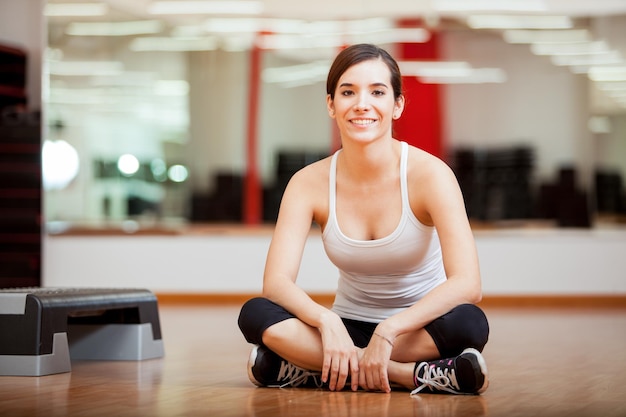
(257,315)
(464,326)
(476,327)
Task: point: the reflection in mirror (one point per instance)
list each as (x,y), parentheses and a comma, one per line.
(151,112)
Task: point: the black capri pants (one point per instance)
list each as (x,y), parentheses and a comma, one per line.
(462,327)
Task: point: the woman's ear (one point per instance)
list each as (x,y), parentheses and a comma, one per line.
(330,105)
(398,108)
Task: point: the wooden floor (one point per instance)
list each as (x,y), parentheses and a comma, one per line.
(548,362)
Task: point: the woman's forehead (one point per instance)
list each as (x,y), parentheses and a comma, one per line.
(370,71)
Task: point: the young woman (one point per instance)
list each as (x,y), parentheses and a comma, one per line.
(394,223)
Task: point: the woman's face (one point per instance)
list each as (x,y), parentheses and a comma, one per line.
(364,105)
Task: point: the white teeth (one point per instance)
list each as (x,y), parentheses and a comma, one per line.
(363,122)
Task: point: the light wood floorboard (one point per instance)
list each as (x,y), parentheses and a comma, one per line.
(542,362)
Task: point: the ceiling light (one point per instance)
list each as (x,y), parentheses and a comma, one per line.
(297,75)
(616,73)
(546,36)
(75,9)
(578,48)
(206,7)
(609,58)
(283,41)
(451,72)
(85,68)
(233,25)
(490,5)
(400,35)
(171,88)
(473,76)
(155,43)
(428,68)
(140,27)
(519,22)
(612,86)
(298,26)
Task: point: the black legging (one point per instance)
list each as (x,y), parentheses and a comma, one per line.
(463,327)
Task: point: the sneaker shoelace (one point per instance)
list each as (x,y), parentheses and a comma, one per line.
(436,378)
(295,376)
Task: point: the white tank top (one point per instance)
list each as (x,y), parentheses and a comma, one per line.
(379,278)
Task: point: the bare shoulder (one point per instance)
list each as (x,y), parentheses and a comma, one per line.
(307,191)
(427,168)
(313,176)
(433,187)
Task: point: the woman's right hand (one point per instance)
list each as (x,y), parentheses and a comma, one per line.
(340,355)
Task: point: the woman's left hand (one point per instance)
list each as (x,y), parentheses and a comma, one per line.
(373,364)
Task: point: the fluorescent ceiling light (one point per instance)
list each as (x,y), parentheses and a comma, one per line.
(519,22)
(400,35)
(612,86)
(428,68)
(140,27)
(579,48)
(617,94)
(546,36)
(335,40)
(127,80)
(173,44)
(609,58)
(616,73)
(83,96)
(234,25)
(282,41)
(451,72)
(239,7)
(297,75)
(490,5)
(171,88)
(296,26)
(85,68)
(474,76)
(237,43)
(76,9)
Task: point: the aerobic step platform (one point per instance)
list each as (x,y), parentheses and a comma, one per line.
(42,328)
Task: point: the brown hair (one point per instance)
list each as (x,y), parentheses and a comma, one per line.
(356,54)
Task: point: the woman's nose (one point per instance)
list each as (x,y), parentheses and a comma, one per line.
(361,103)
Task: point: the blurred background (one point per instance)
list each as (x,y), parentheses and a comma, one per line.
(174,117)
(178,112)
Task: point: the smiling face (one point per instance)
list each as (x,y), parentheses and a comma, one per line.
(364,105)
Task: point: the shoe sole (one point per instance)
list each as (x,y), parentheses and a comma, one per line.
(251,363)
(483,367)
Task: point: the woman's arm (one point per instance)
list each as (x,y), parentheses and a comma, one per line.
(437,201)
(298,208)
(285,252)
(441,204)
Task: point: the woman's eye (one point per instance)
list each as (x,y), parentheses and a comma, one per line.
(347,93)
(378,93)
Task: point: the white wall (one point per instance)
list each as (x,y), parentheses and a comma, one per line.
(513,262)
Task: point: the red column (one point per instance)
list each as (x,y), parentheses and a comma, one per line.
(252,199)
(420,124)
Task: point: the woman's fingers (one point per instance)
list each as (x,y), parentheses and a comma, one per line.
(326,369)
(340,370)
(354,373)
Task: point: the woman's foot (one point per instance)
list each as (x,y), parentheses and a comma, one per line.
(464,374)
